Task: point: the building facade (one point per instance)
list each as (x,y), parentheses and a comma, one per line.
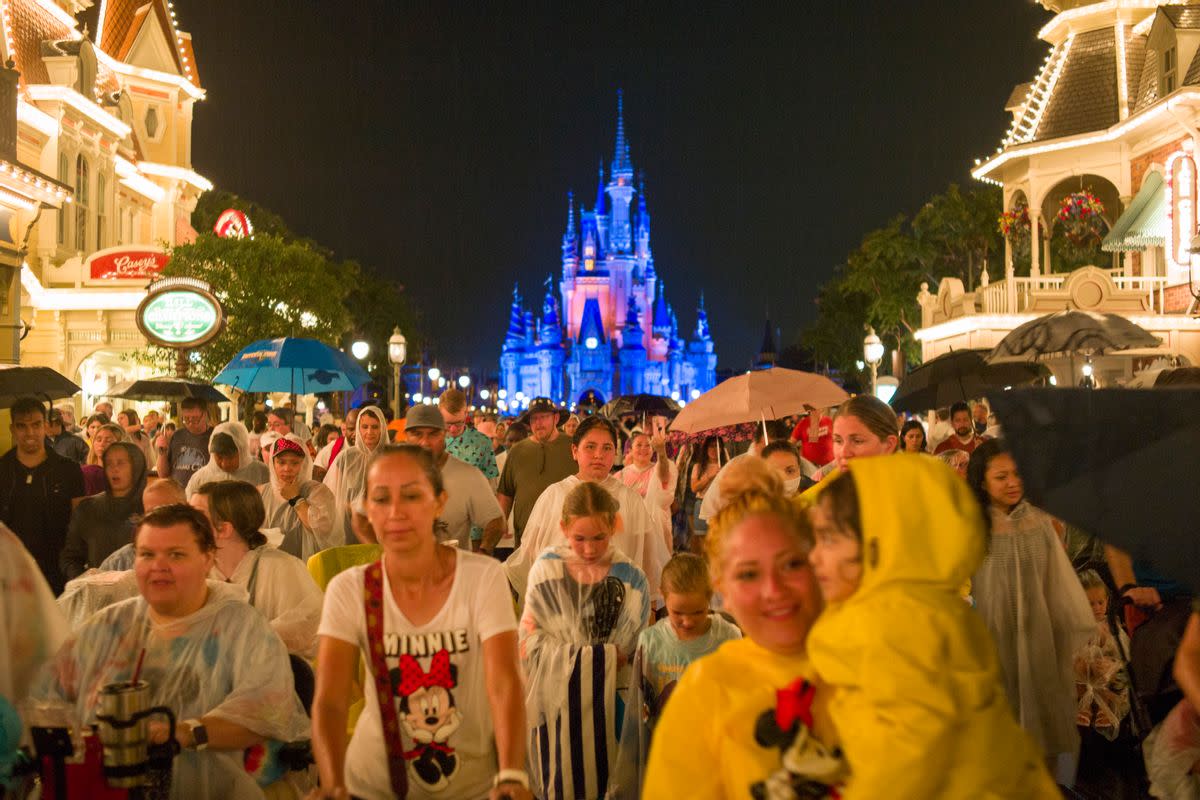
(1112,116)
(606,329)
(105,100)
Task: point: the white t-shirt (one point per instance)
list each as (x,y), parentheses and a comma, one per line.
(322,458)
(459,718)
(469,501)
(712,502)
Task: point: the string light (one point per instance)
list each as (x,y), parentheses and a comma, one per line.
(72,98)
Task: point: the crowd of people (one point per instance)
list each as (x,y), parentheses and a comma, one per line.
(858,605)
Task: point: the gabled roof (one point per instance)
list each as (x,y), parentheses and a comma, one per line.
(124,20)
(33,24)
(1182,16)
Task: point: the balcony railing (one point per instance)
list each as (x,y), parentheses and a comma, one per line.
(1013,296)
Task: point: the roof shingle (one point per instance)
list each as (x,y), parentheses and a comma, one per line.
(1085,96)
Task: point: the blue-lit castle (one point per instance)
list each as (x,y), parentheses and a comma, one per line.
(609,329)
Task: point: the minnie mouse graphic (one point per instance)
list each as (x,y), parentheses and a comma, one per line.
(429,716)
(810,770)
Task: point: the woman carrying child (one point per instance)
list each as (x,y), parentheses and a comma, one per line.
(585,605)
(918,700)
(749,721)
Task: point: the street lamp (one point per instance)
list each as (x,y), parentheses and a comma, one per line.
(360,349)
(397,352)
(464,381)
(873,354)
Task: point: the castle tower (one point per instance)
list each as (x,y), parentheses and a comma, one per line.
(620,188)
(633,354)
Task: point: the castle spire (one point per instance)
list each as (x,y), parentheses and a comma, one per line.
(702,332)
(599,209)
(515,336)
(569,243)
(622,165)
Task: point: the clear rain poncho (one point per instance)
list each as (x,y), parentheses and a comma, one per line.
(249,470)
(1032,602)
(222,661)
(322,531)
(579,621)
(637,536)
(347,475)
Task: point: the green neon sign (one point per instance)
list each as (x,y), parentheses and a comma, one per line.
(180,317)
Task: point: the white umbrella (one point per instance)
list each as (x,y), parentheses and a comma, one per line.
(758,396)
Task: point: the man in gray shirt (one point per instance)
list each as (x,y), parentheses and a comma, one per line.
(469,497)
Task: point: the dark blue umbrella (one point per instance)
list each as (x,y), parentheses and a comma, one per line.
(298,366)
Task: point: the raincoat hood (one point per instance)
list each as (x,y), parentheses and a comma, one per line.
(121,508)
(241,437)
(921,525)
(306,468)
(383,429)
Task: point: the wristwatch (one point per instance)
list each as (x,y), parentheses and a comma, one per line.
(199,734)
(295,500)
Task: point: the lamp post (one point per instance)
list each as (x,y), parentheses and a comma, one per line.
(873,354)
(397,352)
(433,374)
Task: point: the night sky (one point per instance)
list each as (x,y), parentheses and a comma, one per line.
(437,141)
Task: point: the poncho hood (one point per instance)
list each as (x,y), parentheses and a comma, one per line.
(378,414)
(920,524)
(241,437)
(306,468)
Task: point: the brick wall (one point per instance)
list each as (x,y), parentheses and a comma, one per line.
(1176,299)
(1139,166)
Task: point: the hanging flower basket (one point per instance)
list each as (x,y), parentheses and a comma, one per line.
(1015,227)
(1081,215)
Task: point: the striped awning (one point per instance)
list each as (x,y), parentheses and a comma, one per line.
(1144,224)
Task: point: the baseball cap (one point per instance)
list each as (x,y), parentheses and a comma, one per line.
(423,416)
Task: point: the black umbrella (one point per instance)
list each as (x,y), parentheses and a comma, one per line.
(1119,463)
(650,405)
(16,382)
(166,388)
(959,376)
(1071,332)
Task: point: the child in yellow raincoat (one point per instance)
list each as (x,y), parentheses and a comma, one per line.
(919,704)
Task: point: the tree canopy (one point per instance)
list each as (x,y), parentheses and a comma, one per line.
(953,235)
(276,284)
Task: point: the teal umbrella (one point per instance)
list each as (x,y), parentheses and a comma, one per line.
(294,365)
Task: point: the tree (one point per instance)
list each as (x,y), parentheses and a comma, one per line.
(376,306)
(269,288)
(959,231)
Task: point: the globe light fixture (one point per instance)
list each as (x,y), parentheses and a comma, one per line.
(695,393)
(591,342)
(464,381)
(873,354)
(484,394)
(397,352)
(502,394)
(360,349)
(434,373)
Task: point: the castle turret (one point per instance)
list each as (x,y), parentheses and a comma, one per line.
(570,242)
(642,227)
(633,354)
(767,352)
(700,364)
(514,337)
(600,211)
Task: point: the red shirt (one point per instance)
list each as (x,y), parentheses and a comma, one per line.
(952,442)
(820,450)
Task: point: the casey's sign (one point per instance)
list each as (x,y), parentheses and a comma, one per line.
(124,264)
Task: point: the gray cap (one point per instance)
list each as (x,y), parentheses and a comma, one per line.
(423,416)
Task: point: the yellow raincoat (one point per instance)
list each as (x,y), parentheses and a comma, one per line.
(919,705)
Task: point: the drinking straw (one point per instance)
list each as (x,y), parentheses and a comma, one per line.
(137,671)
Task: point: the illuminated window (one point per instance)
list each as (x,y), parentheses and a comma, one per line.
(1169,64)
(82,202)
(63,168)
(101,209)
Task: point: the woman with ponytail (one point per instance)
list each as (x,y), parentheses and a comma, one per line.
(278,584)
